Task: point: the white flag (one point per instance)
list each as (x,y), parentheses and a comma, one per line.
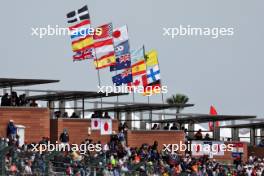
(95,124)
(106,126)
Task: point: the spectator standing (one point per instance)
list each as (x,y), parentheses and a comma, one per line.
(64,137)
(167,127)
(11,130)
(106,116)
(199,135)
(174,126)
(6,101)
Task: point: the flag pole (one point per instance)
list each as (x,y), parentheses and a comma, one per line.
(146,67)
(148,97)
(162,95)
(98,71)
(133,93)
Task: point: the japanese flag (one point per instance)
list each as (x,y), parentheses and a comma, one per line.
(197,148)
(106,126)
(120,35)
(95,124)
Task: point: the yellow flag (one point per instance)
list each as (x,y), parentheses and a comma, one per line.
(105,61)
(139,68)
(152,58)
(77,45)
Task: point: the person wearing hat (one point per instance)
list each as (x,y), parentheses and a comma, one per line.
(11,130)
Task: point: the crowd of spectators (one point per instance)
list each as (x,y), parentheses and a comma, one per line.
(197,136)
(116,159)
(96,114)
(15,100)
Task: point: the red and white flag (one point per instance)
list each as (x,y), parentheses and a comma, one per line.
(106,126)
(95,124)
(120,35)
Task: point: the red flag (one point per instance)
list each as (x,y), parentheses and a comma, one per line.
(213,112)
(106,32)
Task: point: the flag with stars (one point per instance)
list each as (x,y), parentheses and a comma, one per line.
(122,57)
(106,32)
(123,78)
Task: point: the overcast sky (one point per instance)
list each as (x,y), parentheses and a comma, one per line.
(226,72)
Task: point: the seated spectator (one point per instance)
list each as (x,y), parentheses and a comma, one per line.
(106,116)
(155,127)
(65,115)
(14,99)
(100,114)
(57,114)
(261,143)
(6,101)
(22,100)
(74,115)
(95,114)
(199,135)
(33,103)
(174,126)
(167,127)
(207,137)
(125,127)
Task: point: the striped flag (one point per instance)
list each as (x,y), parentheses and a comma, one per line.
(106,32)
(81,34)
(104,47)
(105,54)
(78,15)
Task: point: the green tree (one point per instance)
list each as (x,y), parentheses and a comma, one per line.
(179,99)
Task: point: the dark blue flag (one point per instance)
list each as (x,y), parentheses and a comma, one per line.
(122,48)
(123,59)
(123,78)
(122,62)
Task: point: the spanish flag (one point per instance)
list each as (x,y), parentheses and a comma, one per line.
(152,58)
(105,61)
(139,68)
(82,43)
